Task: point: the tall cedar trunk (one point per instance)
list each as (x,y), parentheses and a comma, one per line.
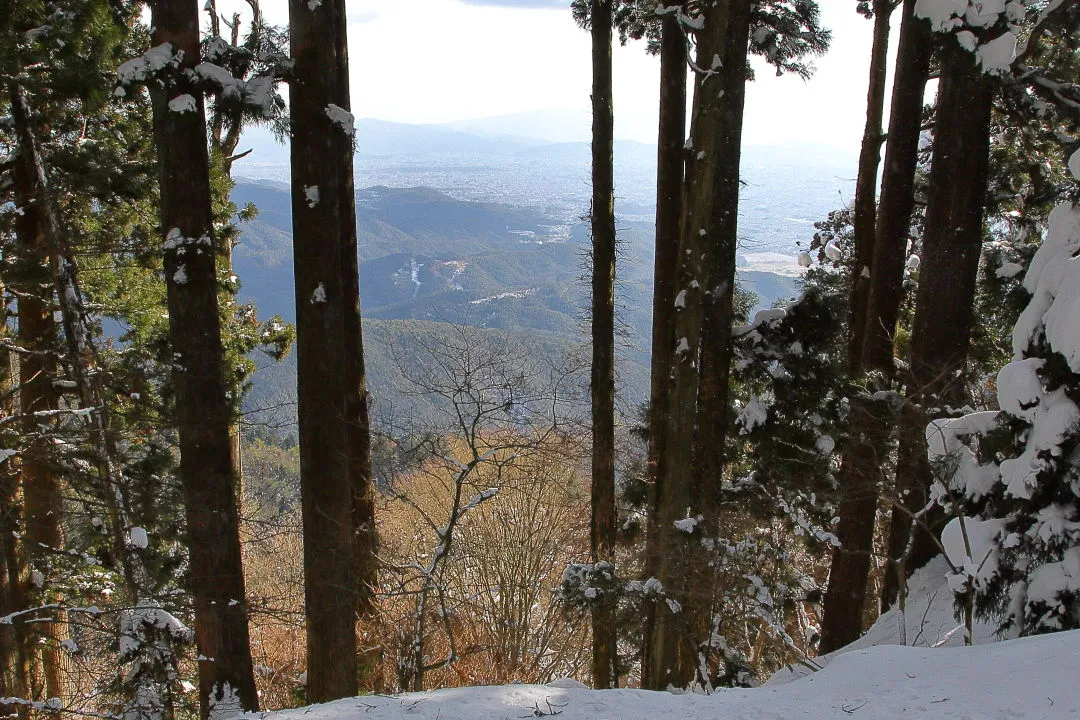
(865,215)
(719,299)
(893,230)
(861,459)
(674,637)
(13,671)
(335,465)
(602,385)
(897,191)
(669,183)
(952,244)
(13,665)
(358,427)
(225,128)
(203,412)
(42,496)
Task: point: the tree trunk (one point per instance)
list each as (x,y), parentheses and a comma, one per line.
(226,681)
(335,465)
(897,191)
(719,298)
(13,669)
(860,474)
(669,184)
(42,496)
(674,636)
(893,230)
(602,385)
(952,245)
(861,459)
(14,680)
(865,215)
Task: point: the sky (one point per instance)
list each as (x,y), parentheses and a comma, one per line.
(445,61)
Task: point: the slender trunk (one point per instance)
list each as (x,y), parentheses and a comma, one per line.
(602,386)
(952,245)
(82,358)
(335,465)
(13,669)
(893,231)
(83,362)
(226,680)
(42,497)
(897,191)
(669,183)
(365,545)
(860,474)
(861,459)
(14,676)
(865,215)
(674,636)
(719,298)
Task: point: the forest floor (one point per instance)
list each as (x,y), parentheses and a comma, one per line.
(874,679)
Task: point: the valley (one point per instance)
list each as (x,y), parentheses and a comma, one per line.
(459,228)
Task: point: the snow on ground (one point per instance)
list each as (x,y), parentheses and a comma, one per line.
(928,621)
(909,666)
(1031,677)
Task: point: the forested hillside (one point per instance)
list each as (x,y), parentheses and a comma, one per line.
(425,256)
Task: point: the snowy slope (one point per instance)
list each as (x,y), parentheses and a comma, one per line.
(1032,677)
(928,620)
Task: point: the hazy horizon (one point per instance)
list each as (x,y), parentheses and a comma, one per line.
(447,62)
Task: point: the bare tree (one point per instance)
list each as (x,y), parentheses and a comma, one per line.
(500,414)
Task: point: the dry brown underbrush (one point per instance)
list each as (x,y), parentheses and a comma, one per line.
(489,601)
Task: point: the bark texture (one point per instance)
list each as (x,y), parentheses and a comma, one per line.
(335,464)
(672,647)
(893,230)
(602,384)
(41,489)
(952,245)
(861,459)
(203,411)
(866,184)
(712,409)
(13,666)
(669,184)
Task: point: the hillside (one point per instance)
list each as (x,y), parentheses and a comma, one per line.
(272,398)
(425,256)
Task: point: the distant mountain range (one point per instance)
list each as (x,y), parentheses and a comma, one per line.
(785,188)
(379,138)
(479,222)
(425,256)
